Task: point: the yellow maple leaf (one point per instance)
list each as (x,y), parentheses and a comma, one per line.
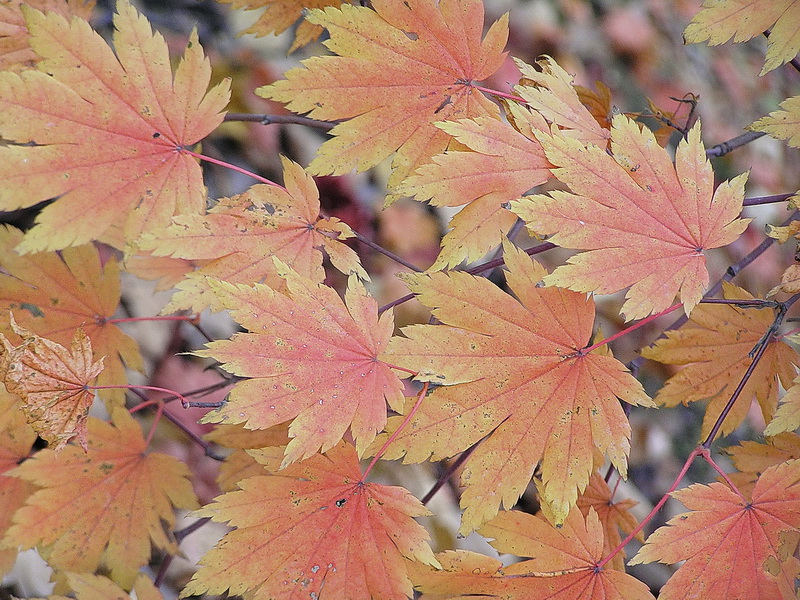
(715,347)
(511,369)
(720,20)
(105,507)
(399,68)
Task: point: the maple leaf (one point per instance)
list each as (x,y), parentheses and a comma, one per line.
(103,131)
(551,93)
(502,165)
(310,357)
(522,380)
(715,345)
(242,234)
(314,526)
(239,464)
(614,516)
(103,507)
(720,20)
(644,223)
(734,547)
(279,15)
(782,124)
(400,68)
(52,382)
(53,294)
(16,441)
(15,49)
(753,458)
(96,587)
(563,564)
(787,417)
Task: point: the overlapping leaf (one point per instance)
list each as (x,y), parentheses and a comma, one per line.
(753,458)
(644,223)
(240,236)
(783,124)
(53,294)
(787,417)
(105,507)
(309,357)
(15,49)
(239,464)
(514,370)
(502,165)
(279,15)
(97,587)
(314,528)
(720,20)
(734,547)
(51,381)
(505,161)
(614,516)
(399,68)
(550,92)
(715,346)
(16,441)
(563,564)
(103,131)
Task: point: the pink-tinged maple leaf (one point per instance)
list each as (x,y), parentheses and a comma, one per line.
(734,547)
(308,357)
(643,223)
(314,529)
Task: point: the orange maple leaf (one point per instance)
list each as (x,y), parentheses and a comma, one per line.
(15,49)
(239,464)
(16,441)
(52,382)
(505,161)
(753,458)
(715,345)
(107,130)
(314,528)
(782,124)
(734,547)
(521,379)
(551,93)
(503,164)
(614,516)
(242,234)
(105,507)
(400,68)
(309,357)
(86,586)
(279,15)
(720,20)
(53,294)
(644,222)
(563,564)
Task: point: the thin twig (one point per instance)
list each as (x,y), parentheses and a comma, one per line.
(758,200)
(452,468)
(387,253)
(761,348)
(280,120)
(737,142)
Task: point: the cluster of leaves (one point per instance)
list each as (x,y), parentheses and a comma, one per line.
(509,379)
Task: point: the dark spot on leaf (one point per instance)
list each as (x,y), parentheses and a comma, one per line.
(340,503)
(156,135)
